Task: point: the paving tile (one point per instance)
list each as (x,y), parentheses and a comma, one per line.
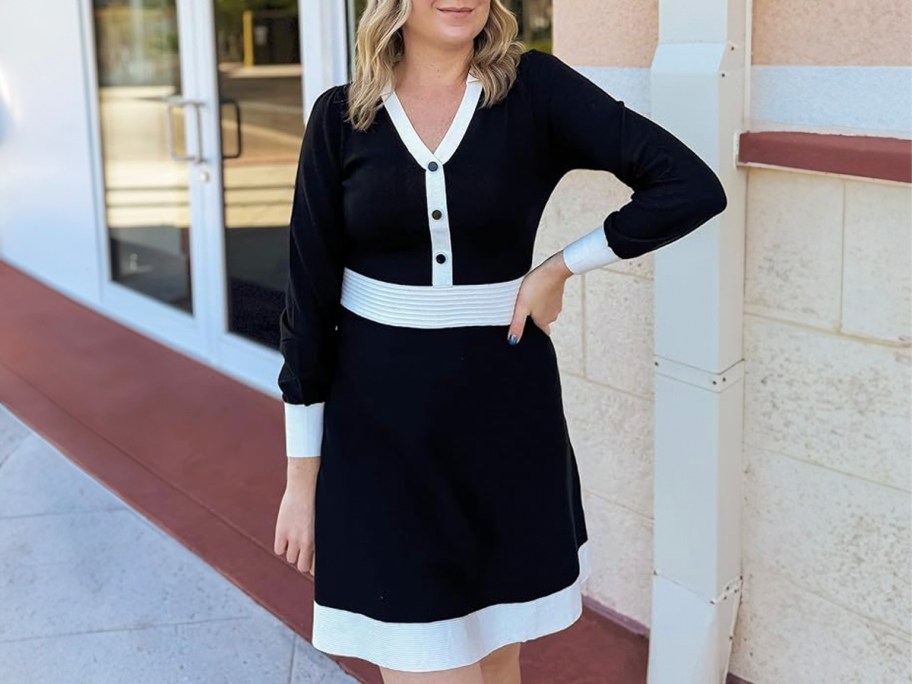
(92,591)
(12,433)
(37,479)
(315,667)
(76,572)
(251,649)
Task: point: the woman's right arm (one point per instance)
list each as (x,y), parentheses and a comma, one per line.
(308,321)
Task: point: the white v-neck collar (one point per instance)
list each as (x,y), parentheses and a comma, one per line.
(454,133)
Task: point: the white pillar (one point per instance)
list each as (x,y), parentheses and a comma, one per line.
(697,78)
(324,52)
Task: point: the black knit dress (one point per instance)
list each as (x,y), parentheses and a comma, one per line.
(448,513)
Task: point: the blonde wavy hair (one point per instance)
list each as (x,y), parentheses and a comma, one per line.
(379,47)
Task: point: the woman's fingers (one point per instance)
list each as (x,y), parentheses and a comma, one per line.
(291,555)
(515,330)
(305,561)
(298,552)
(294,534)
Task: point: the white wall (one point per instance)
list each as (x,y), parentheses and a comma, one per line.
(47,213)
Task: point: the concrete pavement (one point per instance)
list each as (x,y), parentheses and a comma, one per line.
(92,592)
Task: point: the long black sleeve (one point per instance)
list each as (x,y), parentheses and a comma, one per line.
(316,259)
(675,191)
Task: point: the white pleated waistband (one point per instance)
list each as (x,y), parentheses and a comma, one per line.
(427,306)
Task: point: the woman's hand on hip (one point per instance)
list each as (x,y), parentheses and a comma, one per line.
(541,296)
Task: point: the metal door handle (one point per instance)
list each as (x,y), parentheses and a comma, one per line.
(237,118)
(172,103)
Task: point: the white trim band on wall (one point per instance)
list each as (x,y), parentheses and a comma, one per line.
(873,100)
(428,306)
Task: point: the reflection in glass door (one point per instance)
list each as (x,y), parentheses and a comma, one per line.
(142,139)
(262,124)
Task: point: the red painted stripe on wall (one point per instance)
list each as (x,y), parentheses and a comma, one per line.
(850,155)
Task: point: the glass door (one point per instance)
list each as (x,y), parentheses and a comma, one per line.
(258,50)
(267,60)
(145,146)
(200,112)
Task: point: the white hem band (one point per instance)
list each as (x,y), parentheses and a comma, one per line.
(454,642)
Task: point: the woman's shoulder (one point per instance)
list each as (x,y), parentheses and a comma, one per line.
(540,74)
(334,96)
(541,66)
(329,107)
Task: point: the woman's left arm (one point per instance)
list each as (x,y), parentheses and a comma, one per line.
(674,190)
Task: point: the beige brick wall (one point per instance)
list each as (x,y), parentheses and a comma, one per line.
(828,414)
(828,409)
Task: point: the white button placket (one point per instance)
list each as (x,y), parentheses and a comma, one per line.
(434,176)
(438,223)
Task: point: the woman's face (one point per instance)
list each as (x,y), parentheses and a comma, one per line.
(452,22)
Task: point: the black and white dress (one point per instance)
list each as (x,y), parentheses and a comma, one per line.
(448,516)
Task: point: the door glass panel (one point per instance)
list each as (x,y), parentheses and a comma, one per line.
(534,17)
(146,195)
(259,80)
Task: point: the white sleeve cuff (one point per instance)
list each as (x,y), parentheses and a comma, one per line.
(589,251)
(303,429)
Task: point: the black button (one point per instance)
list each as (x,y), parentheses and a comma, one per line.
(441,258)
(436,213)
(432,166)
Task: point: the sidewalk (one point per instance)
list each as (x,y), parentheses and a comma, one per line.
(93,592)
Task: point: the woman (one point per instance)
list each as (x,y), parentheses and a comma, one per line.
(432,487)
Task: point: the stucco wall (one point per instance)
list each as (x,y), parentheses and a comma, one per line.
(833,33)
(606,32)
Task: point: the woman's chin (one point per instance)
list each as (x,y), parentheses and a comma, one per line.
(456,35)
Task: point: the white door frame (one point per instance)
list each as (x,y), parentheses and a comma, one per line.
(152,318)
(204,335)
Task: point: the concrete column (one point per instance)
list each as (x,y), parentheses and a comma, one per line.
(697,89)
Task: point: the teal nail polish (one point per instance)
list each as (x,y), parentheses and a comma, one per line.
(512,339)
